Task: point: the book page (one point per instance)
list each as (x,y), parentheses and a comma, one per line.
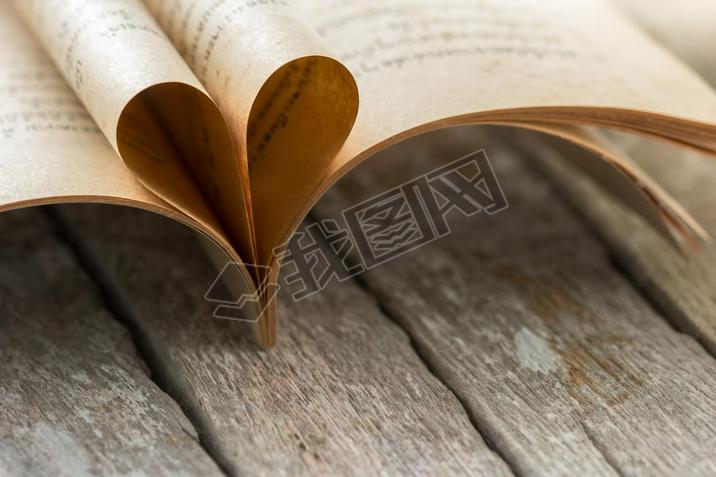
(51,149)
(427,64)
(289,105)
(605,161)
(685,27)
(423,62)
(150,107)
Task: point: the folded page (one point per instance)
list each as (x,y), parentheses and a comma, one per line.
(421,64)
(150,106)
(289,104)
(52,151)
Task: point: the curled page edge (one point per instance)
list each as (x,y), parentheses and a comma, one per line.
(219,251)
(646,198)
(145,100)
(655,205)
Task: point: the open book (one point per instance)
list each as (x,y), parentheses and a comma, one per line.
(233,117)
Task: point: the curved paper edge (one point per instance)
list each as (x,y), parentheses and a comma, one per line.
(625,181)
(242,283)
(656,200)
(313,101)
(174,139)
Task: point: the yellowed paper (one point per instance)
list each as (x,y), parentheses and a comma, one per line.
(426,64)
(289,104)
(685,27)
(423,62)
(604,160)
(282,122)
(51,150)
(150,107)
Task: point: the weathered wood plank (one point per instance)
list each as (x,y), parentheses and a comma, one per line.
(343,394)
(681,285)
(75,398)
(560,362)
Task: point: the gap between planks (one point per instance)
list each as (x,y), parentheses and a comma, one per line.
(76,398)
(609,456)
(419,352)
(680,285)
(423,426)
(602,348)
(118,309)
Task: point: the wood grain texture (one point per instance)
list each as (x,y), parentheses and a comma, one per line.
(562,365)
(343,393)
(683,286)
(75,399)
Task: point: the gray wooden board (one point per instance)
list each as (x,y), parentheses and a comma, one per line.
(75,399)
(561,363)
(343,393)
(683,286)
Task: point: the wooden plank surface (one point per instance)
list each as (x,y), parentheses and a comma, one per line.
(560,362)
(343,393)
(538,344)
(682,286)
(75,399)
